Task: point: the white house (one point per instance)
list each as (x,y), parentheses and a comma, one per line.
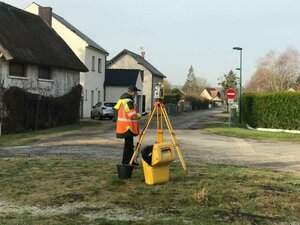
(89,52)
(150,75)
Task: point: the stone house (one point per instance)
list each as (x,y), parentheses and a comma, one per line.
(33,56)
(150,75)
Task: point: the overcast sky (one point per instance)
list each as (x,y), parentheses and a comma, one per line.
(181,33)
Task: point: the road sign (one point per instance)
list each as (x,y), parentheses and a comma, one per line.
(231,93)
(230,101)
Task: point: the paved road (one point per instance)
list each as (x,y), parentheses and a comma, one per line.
(199,146)
(196,145)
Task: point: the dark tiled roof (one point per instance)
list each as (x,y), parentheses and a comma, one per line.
(80,34)
(120,77)
(140,60)
(26,38)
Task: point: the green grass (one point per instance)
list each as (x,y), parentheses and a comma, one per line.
(241,132)
(221,127)
(22,138)
(67,191)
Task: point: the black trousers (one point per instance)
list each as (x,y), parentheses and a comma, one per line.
(128,150)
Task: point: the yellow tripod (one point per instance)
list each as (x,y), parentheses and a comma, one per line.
(161,113)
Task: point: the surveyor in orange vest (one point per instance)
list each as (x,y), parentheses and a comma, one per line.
(127,122)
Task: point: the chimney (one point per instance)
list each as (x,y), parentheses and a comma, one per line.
(46,14)
(143,54)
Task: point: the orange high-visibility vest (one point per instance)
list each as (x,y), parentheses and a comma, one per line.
(127,118)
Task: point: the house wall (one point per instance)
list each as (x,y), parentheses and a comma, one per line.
(127,62)
(205,95)
(61,83)
(91,81)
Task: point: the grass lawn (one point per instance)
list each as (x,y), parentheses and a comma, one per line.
(23,138)
(69,191)
(239,132)
(221,127)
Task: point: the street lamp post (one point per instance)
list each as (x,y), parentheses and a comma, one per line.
(240,91)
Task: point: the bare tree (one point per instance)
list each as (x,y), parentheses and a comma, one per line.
(275,73)
(259,82)
(167,86)
(202,83)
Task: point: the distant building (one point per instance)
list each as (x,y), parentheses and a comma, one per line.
(213,95)
(150,75)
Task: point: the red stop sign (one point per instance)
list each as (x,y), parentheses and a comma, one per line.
(231,93)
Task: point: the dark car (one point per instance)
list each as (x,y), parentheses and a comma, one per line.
(103,110)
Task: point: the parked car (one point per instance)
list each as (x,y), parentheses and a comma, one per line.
(103,110)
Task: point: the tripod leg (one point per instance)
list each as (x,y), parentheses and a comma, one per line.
(142,137)
(171,131)
(159,125)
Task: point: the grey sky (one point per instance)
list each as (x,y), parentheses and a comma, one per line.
(181,33)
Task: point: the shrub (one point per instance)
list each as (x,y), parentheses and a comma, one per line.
(27,111)
(272,110)
(196,102)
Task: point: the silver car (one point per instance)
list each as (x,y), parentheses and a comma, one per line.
(103,110)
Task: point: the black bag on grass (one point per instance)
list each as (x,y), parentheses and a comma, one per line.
(147,154)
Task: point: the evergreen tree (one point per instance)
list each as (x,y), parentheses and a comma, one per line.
(229,80)
(191,85)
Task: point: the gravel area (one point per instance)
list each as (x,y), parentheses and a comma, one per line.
(195,145)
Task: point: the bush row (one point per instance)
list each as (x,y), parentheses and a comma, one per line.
(272,110)
(27,111)
(196,102)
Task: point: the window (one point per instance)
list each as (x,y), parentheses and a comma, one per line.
(92,98)
(16,69)
(85,95)
(44,73)
(99,65)
(93,63)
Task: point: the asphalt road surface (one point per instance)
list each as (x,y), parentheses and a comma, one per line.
(195,144)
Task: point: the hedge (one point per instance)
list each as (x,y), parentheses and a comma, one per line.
(27,111)
(272,110)
(196,102)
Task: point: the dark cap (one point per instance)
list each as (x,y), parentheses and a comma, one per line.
(133,88)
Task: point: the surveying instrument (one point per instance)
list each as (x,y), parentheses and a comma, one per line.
(160,111)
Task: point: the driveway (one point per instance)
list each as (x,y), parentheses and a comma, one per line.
(196,145)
